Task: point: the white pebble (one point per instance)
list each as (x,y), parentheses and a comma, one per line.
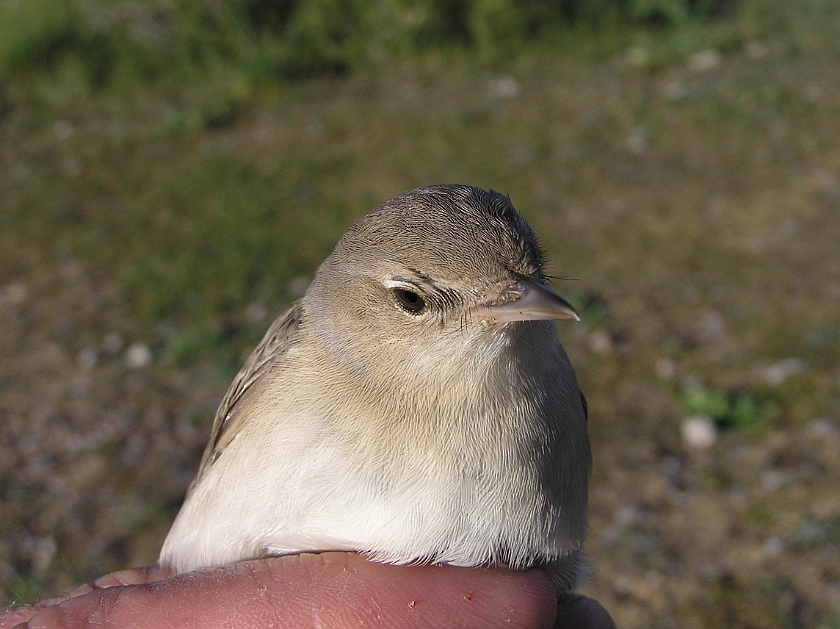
(699,432)
(15,293)
(506,87)
(778,372)
(704,60)
(138,356)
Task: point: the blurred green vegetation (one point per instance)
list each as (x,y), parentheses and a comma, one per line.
(102,42)
(730,409)
(223,228)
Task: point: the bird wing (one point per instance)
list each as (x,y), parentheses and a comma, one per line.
(232,411)
(585,404)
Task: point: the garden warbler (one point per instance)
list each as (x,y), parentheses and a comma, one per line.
(415,405)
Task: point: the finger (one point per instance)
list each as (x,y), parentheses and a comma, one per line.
(325,590)
(22,614)
(123,577)
(581,612)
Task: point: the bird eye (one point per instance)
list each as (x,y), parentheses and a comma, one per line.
(409,301)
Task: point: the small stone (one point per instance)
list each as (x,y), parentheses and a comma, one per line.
(63,129)
(70,269)
(823,427)
(15,293)
(692,381)
(187,433)
(637,142)
(506,87)
(812,92)
(790,227)
(132,453)
(699,432)
(138,356)
(675,90)
(774,547)
(811,533)
(756,50)
(704,60)
(87,358)
(71,166)
(256,312)
(43,553)
(621,586)
(600,343)
(772,480)
(712,572)
(616,207)
(631,514)
(778,372)
(672,468)
(112,343)
(610,534)
(711,327)
(665,369)
(667,622)
(654,577)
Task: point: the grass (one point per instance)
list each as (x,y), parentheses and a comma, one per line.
(738,409)
(690,215)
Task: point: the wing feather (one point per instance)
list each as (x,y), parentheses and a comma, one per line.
(232,412)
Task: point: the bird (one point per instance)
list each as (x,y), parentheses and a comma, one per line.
(415,406)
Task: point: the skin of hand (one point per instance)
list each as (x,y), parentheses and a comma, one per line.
(415,405)
(328,590)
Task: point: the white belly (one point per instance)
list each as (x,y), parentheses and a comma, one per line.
(317,498)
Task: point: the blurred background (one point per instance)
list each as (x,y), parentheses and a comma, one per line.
(172,173)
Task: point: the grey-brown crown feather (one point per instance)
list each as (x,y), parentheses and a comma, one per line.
(450,226)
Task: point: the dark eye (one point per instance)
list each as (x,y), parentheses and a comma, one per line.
(409,300)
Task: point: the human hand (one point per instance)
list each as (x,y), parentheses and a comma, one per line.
(334,589)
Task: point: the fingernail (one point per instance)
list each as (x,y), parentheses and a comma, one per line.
(78,591)
(123,577)
(134,576)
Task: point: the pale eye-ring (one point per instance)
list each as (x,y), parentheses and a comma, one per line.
(409,300)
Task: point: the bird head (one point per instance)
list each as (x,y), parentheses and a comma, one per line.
(428,274)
